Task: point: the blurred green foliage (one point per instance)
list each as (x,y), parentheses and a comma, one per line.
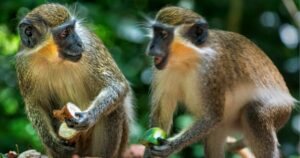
(119,23)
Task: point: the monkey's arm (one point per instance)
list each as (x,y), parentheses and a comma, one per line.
(212,115)
(199,130)
(107,100)
(42,123)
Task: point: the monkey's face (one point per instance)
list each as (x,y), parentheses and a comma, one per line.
(194,32)
(39,28)
(159,45)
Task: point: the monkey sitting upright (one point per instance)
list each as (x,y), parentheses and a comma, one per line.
(224,80)
(61,61)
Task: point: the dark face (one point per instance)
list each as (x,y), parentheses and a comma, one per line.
(195,32)
(159,45)
(69,43)
(33,32)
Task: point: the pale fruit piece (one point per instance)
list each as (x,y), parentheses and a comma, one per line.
(66,132)
(67,112)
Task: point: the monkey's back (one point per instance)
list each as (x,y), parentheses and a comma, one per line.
(244,61)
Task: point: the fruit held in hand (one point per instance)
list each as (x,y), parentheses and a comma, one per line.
(67,133)
(67,112)
(153,136)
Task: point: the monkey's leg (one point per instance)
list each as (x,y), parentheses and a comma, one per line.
(40,120)
(107,136)
(259,130)
(125,138)
(214,144)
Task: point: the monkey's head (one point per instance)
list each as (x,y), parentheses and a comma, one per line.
(50,27)
(175,29)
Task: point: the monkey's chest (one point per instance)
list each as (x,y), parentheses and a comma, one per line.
(184,88)
(75,91)
(192,94)
(60,84)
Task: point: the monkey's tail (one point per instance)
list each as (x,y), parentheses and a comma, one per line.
(239,147)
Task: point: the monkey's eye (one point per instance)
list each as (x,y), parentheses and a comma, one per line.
(28,31)
(199,32)
(65,33)
(163,34)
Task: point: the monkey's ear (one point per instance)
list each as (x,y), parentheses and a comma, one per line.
(28,33)
(198,32)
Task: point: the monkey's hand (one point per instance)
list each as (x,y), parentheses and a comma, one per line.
(147,153)
(81,121)
(164,150)
(63,144)
(58,145)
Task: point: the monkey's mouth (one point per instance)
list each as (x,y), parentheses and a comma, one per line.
(71,57)
(160,62)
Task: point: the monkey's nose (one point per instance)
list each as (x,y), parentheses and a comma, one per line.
(153,51)
(80,45)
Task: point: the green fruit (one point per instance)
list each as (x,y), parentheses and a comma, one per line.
(152,136)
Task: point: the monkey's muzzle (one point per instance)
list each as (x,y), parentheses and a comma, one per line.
(158,60)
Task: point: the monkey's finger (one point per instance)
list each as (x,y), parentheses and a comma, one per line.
(67,144)
(155,153)
(72,122)
(159,148)
(79,114)
(162,150)
(162,141)
(78,124)
(159,153)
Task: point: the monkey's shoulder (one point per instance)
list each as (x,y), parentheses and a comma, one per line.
(228,37)
(235,46)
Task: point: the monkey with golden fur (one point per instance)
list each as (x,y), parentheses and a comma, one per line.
(61,61)
(224,80)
